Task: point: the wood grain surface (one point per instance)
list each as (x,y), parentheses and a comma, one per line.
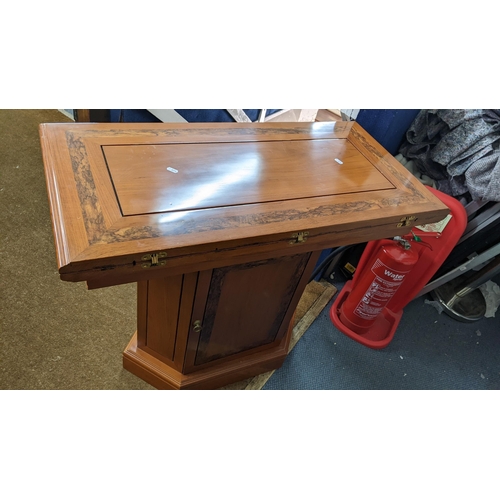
(109,209)
(171,178)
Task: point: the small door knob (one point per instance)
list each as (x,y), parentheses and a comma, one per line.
(197,326)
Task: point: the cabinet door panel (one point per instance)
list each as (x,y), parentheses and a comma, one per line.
(246,306)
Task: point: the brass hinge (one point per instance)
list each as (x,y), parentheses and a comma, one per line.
(406,221)
(299,237)
(153,259)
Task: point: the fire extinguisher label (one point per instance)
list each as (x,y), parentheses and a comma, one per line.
(385,283)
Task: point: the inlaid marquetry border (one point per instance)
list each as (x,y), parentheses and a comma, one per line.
(357,139)
(98,231)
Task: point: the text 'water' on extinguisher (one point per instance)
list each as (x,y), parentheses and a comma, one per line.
(378,284)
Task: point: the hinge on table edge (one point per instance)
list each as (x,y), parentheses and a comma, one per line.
(299,237)
(406,221)
(153,259)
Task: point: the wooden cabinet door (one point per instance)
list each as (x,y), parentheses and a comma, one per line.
(239,309)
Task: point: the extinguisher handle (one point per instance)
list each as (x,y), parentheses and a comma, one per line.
(425,244)
(427,234)
(417,239)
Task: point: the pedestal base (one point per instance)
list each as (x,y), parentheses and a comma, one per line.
(208,329)
(162,376)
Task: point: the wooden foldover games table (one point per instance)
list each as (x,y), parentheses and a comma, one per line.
(221,226)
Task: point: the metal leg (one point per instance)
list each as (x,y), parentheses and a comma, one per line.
(461,299)
(462,269)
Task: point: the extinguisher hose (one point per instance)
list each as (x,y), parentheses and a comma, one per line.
(327,260)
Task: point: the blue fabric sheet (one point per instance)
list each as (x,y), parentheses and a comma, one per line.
(190,115)
(387,126)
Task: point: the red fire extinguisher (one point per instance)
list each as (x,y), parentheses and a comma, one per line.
(381,280)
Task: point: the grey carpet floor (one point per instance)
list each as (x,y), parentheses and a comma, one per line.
(430,351)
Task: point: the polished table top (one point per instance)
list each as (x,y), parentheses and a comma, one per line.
(173,177)
(197,194)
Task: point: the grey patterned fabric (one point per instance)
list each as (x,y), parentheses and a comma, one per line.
(483,177)
(459,149)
